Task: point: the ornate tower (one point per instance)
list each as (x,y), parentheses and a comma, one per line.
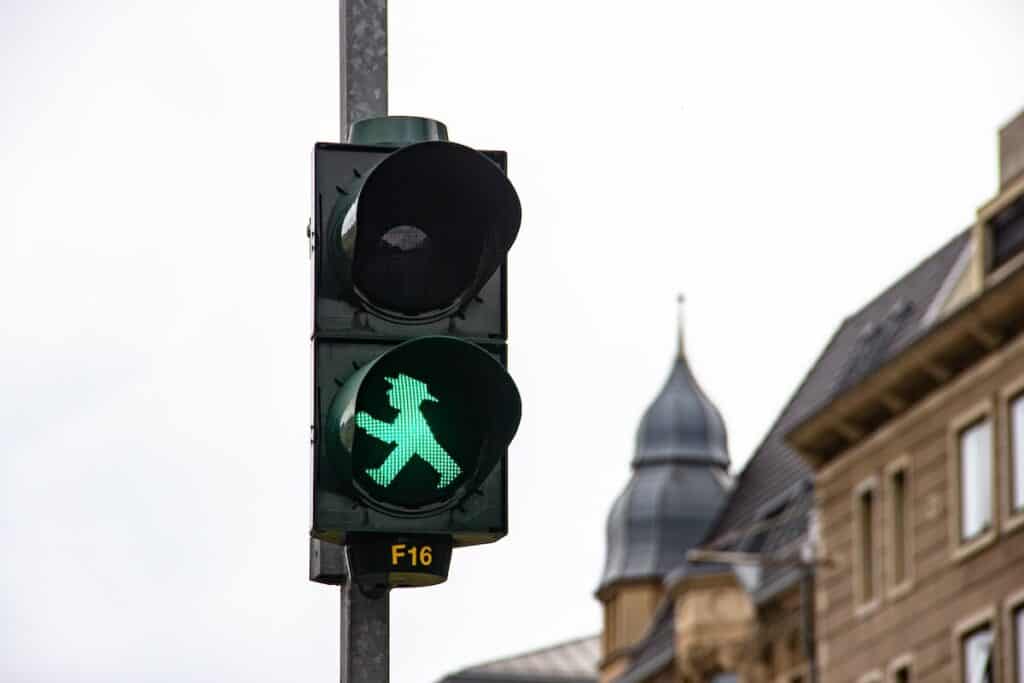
(679,482)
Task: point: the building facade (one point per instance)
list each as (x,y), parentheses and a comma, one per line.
(919,466)
(876,535)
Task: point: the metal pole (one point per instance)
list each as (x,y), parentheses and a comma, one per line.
(365,615)
(363,37)
(365,625)
(364,61)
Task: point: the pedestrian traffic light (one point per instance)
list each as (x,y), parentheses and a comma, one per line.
(413,409)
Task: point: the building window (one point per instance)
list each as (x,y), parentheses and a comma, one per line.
(899,524)
(864,517)
(768,660)
(793,643)
(766,525)
(976,655)
(1017,454)
(1018,643)
(899,669)
(1007,233)
(975,455)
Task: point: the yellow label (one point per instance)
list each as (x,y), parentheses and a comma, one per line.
(411,555)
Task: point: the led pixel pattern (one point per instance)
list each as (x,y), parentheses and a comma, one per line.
(410,432)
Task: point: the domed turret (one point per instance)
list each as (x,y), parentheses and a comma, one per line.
(682,425)
(678,485)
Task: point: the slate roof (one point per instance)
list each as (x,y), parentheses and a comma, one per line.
(662,513)
(678,486)
(863,342)
(574,661)
(682,424)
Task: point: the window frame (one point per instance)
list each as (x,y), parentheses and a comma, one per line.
(1016,641)
(984,232)
(1011,213)
(1014,660)
(968,627)
(983,411)
(900,663)
(902,465)
(862,605)
(1013,518)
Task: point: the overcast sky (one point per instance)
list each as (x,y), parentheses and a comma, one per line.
(780,163)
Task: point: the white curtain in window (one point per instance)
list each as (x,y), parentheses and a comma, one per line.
(977,650)
(975,479)
(1017,451)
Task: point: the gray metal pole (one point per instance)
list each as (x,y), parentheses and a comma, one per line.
(364,61)
(365,616)
(363,32)
(365,633)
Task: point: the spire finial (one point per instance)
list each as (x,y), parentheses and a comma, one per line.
(680,299)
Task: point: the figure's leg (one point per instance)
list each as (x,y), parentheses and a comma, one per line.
(391,466)
(443,463)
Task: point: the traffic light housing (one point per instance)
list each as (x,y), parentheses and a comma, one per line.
(413,409)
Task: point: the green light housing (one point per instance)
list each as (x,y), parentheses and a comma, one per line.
(418,429)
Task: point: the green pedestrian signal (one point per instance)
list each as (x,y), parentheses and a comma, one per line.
(413,409)
(410,432)
(420,428)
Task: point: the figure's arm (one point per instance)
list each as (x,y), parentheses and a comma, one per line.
(375,428)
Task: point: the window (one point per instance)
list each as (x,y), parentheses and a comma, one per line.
(975,479)
(1017,454)
(768,660)
(768,525)
(899,669)
(606,632)
(793,643)
(864,516)
(1018,643)
(1007,233)
(976,655)
(899,524)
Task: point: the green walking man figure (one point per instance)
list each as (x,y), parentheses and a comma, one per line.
(410,432)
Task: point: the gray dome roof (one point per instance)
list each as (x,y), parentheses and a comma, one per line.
(682,425)
(678,486)
(663,512)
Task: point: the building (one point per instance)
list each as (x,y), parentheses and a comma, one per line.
(679,484)
(706,579)
(918,455)
(875,533)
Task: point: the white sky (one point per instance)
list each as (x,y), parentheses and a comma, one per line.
(780,163)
